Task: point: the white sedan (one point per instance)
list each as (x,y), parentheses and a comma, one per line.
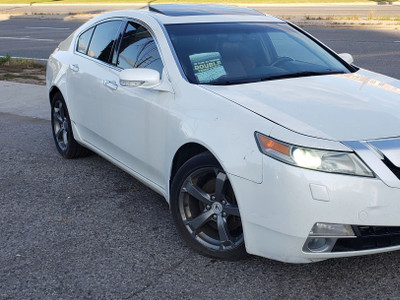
(261,139)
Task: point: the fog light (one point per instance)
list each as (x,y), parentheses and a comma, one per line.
(318,244)
(331,230)
(323,236)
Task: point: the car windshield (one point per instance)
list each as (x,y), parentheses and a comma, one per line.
(234,53)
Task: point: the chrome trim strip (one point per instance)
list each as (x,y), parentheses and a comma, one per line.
(390,148)
(373,160)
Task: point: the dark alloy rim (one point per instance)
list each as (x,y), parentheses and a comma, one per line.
(208,208)
(60,125)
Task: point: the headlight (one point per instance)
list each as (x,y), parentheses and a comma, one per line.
(315,159)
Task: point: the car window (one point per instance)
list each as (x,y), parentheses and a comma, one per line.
(138,49)
(103,40)
(288,46)
(236,53)
(83,41)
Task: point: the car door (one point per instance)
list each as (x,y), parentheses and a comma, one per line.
(87,90)
(137,118)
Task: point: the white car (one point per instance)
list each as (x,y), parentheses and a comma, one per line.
(261,139)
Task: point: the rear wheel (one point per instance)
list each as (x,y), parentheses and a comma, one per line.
(205,210)
(62,130)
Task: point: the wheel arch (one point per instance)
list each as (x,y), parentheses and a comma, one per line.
(183,154)
(53,90)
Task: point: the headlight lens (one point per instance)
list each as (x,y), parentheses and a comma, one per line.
(315,159)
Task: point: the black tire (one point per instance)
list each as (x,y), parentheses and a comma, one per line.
(62,130)
(205,211)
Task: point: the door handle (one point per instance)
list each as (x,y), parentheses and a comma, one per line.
(74,68)
(110,84)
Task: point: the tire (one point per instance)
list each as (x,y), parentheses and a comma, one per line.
(205,211)
(62,130)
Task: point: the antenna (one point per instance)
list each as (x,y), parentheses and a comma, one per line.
(148,4)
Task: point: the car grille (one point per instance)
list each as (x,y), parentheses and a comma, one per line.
(392,167)
(369,237)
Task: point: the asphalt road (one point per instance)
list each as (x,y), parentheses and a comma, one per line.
(377,50)
(83,229)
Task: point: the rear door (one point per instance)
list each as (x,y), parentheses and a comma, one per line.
(87,88)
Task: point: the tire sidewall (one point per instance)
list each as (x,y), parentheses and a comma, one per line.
(197,162)
(65,153)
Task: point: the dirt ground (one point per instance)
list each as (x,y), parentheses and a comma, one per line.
(23,71)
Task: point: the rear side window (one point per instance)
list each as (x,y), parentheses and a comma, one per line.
(83,41)
(138,49)
(103,40)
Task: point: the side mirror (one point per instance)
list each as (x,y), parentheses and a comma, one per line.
(347,57)
(145,78)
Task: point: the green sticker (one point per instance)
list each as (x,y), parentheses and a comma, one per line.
(207,67)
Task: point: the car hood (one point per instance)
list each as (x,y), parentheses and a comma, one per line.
(355,106)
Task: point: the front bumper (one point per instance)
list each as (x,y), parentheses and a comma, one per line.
(278,214)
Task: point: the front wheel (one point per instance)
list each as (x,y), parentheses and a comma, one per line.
(205,210)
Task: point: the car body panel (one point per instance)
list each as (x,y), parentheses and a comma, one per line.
(327,105)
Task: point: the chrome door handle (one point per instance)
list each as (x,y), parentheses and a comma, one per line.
(110,84)
(74,68)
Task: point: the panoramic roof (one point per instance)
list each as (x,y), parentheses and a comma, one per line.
(178,10)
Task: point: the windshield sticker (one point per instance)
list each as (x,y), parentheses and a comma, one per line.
(207,66)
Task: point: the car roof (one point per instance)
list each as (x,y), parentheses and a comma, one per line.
(206,13)
(188,14)
(179,10)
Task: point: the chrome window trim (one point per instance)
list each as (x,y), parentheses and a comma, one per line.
(172,49)
(124,21)
(153,35)
(94,25)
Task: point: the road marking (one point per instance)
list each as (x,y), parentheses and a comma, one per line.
(24,38)
(377,54)
(52,28)
(396,42)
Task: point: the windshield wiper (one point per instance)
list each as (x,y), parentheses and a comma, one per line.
(274,77)
(300,74)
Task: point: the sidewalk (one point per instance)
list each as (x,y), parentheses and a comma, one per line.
(27,100)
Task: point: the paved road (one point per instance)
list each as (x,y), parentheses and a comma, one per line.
(83,229)
(33,38)
(327,10)
(378,50)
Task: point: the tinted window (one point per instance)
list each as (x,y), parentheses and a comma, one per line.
(84,40)
(103,40)
(234,53)
(138,49)
(288,46)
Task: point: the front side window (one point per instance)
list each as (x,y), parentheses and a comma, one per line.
(234,53)
(103,40)
(138,49)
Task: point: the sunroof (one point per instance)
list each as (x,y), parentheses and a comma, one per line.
(176,10)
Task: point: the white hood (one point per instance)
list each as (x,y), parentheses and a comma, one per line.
(358,106)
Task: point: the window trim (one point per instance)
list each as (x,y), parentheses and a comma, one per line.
(94,26)
(90,39)
(153,35)
(117,44)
